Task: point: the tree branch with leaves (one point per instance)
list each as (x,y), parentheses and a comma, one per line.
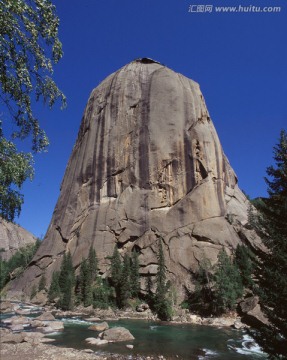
(29,48)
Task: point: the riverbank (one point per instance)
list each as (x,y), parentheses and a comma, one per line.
(181,316)
(27,351)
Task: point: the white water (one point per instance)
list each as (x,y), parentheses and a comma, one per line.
(209,354)
(153,327)
(76,321)
(248,347)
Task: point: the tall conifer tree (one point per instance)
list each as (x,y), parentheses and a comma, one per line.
(124,285)
(272,269)
(244,261)
(54,290)
(116,267)
(162,303)
(228,283)
(67,282)
(135,276)
(92,263)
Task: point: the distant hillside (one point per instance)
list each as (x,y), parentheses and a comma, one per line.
(12,238)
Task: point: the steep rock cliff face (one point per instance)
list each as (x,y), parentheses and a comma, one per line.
(12,238)
(147,164)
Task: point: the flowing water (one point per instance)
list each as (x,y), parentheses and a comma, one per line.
(181,341)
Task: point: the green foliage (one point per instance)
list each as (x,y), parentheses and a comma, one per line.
(91,289)
(202,299)
(124,287)
(102,295)
(3,273)
(92,264)
(161,272)
(272,268)
(67,283)
(54,290)
(42,283)
(244,260)
(162,303)
(124,277)
(116,274)
(228,285)
(29,48)
(86,278)
(15,168)
(17,263)
(85,284)
(185,305)
(134,275)
(116,268)
(149,293)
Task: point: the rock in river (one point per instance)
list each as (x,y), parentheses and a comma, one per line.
(99,327)
(116,334)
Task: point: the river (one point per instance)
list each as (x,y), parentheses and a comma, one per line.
(174,341)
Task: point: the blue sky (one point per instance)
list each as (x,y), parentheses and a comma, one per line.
(239,60)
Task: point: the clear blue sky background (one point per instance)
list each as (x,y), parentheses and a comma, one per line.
(239,60)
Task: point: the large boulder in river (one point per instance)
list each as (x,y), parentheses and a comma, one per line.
(116,334)
(147,164)
(46,316)
(99,327)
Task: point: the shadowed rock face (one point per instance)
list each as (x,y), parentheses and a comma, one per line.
(147,163)
(12,238)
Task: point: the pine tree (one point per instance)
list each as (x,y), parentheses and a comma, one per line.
(124,285)
(135,276)
(201,300)
(162,303)
(228,285)
(92,263)
(88,290)
(149,293)
(272,269)
(85,290)
(67,282)
(244,261)
(86,278)
(102,294)
(81,279)
(116,268)
(54,290)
